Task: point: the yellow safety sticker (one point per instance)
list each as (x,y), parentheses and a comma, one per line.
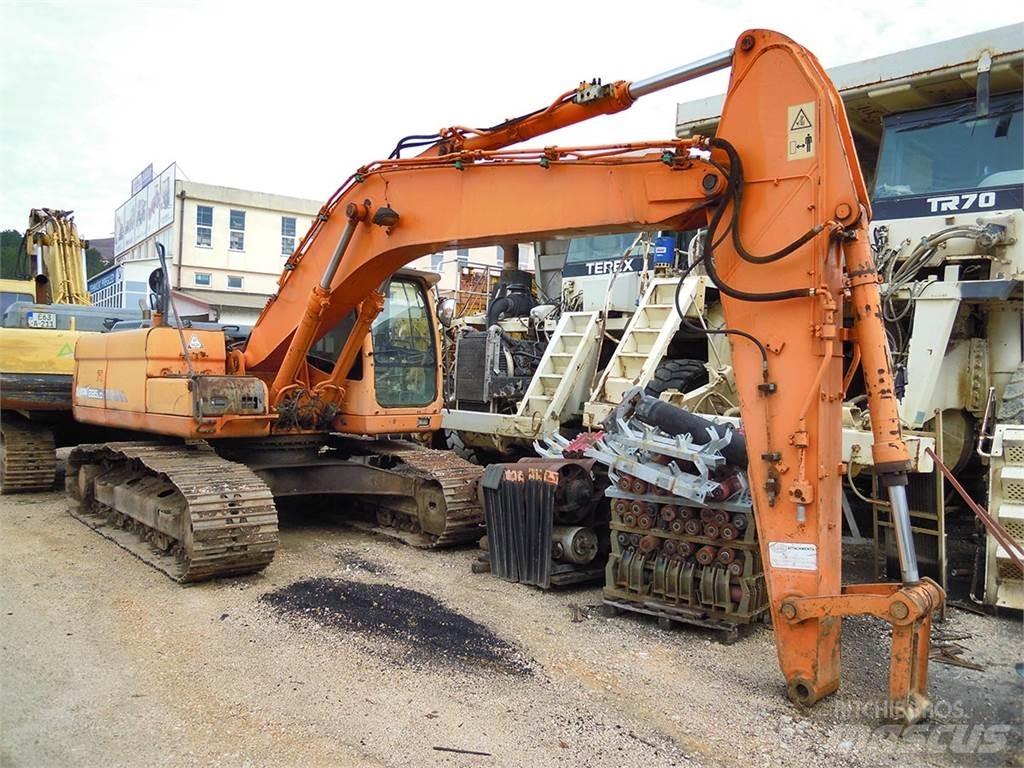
(801,131)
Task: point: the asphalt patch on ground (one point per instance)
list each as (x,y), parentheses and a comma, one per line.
(423,629)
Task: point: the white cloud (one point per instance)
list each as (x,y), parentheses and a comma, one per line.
(291,97)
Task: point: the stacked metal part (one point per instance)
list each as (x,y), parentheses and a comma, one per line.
(545,523)
(683,539)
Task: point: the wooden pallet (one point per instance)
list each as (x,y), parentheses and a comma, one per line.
(725,632)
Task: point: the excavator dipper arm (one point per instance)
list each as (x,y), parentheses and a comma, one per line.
(786,209)
(793,167)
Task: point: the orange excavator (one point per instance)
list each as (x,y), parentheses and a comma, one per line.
(346,350)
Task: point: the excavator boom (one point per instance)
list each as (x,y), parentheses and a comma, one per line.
(60,252)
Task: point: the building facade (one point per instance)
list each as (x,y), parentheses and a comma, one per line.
(225,247)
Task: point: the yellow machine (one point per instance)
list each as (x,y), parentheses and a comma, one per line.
(40,322)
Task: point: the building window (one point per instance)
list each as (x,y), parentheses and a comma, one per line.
(203,278)
(462,254)
(234,281)
(287,235)
(204,226)
(237,226)
(436,261)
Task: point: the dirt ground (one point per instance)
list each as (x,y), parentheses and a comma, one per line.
(354,650)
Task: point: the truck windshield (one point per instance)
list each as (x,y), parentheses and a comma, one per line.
(947,148)
(7,298)
(598,248)
(404,357)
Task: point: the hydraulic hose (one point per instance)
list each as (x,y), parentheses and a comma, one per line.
(734,194)
(690,326)
(676,421)
(736,191)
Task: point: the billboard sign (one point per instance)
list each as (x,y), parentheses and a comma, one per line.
(106,279)
(142,179)
(146,212)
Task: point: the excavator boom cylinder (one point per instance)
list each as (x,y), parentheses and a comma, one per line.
(889,451)
(682,74)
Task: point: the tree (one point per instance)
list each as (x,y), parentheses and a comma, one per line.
(94,263)
(13,263)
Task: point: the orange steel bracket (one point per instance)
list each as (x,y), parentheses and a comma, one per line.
(368,310)
(907,609)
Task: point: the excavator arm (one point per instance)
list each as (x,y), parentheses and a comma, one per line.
(793,167)
(401,209)
(53,235)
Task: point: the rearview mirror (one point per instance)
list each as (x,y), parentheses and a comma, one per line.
(446,312)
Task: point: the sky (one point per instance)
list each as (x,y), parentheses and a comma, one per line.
(291,97)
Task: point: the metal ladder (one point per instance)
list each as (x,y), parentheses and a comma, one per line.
(565,371)
(644,343)
(1004,585)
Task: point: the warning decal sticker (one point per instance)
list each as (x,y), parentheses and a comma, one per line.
(796,557)
(801,139)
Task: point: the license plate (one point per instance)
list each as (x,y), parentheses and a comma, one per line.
(42,320)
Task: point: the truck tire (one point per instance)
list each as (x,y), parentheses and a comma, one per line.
(1011,410)
(683,375)
(455,444)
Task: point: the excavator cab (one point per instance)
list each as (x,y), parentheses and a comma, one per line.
(397,368)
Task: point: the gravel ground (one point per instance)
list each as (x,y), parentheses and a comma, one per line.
(355,650)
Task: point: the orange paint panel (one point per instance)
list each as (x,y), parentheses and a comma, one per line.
(165,356)
(169,396)
(90,378)
(176,426)
(388,423)
(125,374)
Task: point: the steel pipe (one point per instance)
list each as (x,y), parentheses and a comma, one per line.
(904,535)
(681,74)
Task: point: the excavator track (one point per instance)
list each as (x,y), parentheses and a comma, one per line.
(180,508)
(454,478)
(28,460)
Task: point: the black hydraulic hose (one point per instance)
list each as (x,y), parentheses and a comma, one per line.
(412,141)
(690,326)
(426,140)
(734,191)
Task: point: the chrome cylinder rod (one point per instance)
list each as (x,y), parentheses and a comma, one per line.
(904,535)
(681,74)
(339,249)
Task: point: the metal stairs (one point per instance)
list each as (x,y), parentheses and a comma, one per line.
(1004,585)
(644,343)
(565,371)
